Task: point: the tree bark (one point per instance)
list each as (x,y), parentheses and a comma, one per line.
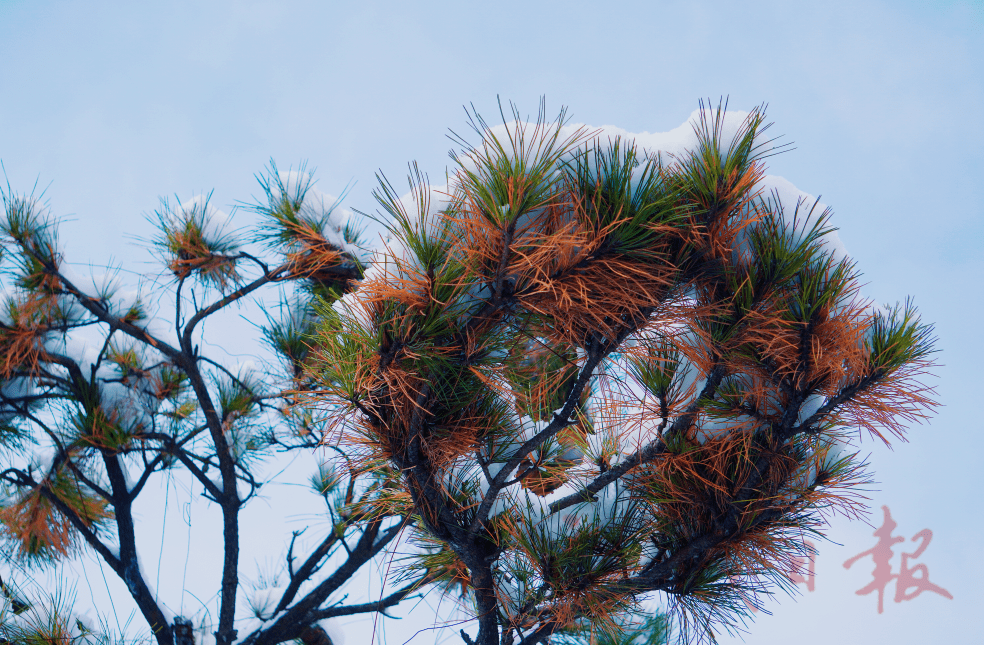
(183,634)
(315,635)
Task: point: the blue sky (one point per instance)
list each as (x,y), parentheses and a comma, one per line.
(110,105)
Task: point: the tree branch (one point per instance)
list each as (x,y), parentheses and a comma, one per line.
(649,452)
(307,569)
(299,616)
(378,606)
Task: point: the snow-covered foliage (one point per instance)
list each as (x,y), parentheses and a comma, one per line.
(592,367)
(608,364)
(108,385)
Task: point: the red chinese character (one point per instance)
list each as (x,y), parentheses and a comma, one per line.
(905,579)
(801,565)
(748,603)
(806,565)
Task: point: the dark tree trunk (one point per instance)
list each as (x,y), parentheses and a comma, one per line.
(183,634)
(315,635)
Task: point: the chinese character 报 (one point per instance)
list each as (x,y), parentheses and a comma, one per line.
(907,577)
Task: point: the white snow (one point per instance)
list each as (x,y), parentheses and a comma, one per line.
(215,223)
(334,630)
(261,603)
(774,189)
(319,207)
(14,388)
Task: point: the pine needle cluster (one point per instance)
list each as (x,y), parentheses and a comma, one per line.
(600,374)
(103,397)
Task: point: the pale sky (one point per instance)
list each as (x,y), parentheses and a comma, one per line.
(110,105)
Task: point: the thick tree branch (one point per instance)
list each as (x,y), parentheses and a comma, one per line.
(243,291)
(378,606)
(295,618)
(307,569)
(129,569)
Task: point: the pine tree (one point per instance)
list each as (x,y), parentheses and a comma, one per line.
(103,393)
(600,375)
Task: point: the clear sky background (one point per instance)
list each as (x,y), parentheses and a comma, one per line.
(110,105)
